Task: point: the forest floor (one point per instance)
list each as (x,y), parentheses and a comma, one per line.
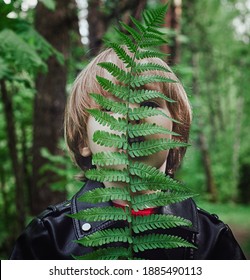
(237,217)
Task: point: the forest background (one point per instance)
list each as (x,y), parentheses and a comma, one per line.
(45,44)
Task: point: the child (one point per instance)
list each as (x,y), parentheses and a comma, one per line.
(52,234)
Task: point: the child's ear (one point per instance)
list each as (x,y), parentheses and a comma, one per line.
(85,151)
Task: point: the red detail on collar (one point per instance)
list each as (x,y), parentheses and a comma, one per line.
(144,212)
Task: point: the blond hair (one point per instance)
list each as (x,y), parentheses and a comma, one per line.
(79,100)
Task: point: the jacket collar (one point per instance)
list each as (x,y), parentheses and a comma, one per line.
(186,209)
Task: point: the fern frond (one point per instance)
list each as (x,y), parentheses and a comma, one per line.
(111,253)
(136,35)
(138,25)
(158,183)
(144,112)
(115,71)
(143,223)
(148,200)
(138,81)
(142,54)
(106,119)
(106,236)
(144,129)
(127,41)
(101,214)
(146,171)
(105,194)
(147,43)
(119,91)
(107,139)
(143,67)
(149,147)
(109,158)
(155,17)
(138,96)
(121,53)
(108,104)
(107,175)
(154,241)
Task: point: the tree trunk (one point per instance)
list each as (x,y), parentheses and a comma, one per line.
(205,155)
(99,20)
(12,146)
(172,21)
(50,99)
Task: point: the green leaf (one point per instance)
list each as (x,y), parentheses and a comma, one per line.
(149,147)
(132,31)
(115,71)
(144,112)
(106,119)
(154,17)
(107,175)
(110,158)
(155,241)
(140,202)
(138,96)
(155,183)
(155,221)
(111,253)
(121,53)
(105,194)
(149,54)
(138,81)
(139,26)
(107,139)
(108,104)
(144,129)
(101,214)
(119,91)
(106,236)
(127,41)
(143,67)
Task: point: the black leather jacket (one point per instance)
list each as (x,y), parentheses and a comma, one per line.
(51,234)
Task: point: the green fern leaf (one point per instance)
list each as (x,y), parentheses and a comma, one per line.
(144,112)
(137,37)
(149,54)
(121,53)
(143,223)
(148,200)
(127,41)
(154,241)
(143,67)
(106,119)
(144,129)
(141,28)
(149,147)
(138,96)
(110,105)
(155,17)
(146,171)
(101,214)
(106,236)
(109,158)
(158,183)
(138,81)
(119,91)
(115,71)
(105,194)
(111,253)
(107,175)
(107,139)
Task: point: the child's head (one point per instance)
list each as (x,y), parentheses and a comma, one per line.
(76,117)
